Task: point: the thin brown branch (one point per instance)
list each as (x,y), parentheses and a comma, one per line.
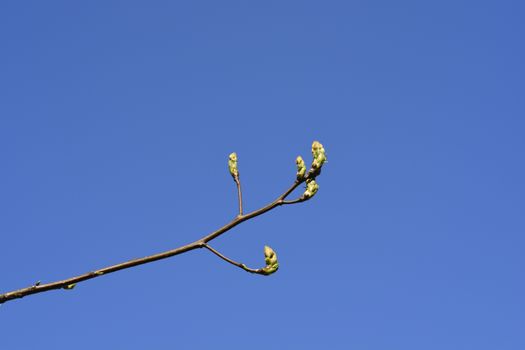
(242,266)
(239,192)
(298,200)
(69,283)
(255,213)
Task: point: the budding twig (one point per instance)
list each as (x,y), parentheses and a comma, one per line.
(234,171)
(270,257)
(272,265)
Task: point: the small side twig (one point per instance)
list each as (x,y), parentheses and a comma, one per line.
(225,258)
(239,193)
(234,171)
(298,200)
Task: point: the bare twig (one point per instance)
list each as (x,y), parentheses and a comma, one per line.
(70,283)
(239,193)
(225,258)
(298,200)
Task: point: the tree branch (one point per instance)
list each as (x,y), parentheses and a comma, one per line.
(70,283)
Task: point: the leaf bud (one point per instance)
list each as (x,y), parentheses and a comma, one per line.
(318,154)
(270,258)
(232,165)
(301,168)
(311,189)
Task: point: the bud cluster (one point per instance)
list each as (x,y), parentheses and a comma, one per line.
(319,158)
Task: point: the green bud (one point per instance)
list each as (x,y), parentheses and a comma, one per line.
(232,164)
(317,148)
(270,258)
(69,286)
(311,189)
(318,154)
(301,168)
(269,255)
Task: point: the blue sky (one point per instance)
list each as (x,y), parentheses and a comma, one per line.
(116,120)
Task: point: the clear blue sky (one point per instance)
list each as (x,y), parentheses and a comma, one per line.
(116,120)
